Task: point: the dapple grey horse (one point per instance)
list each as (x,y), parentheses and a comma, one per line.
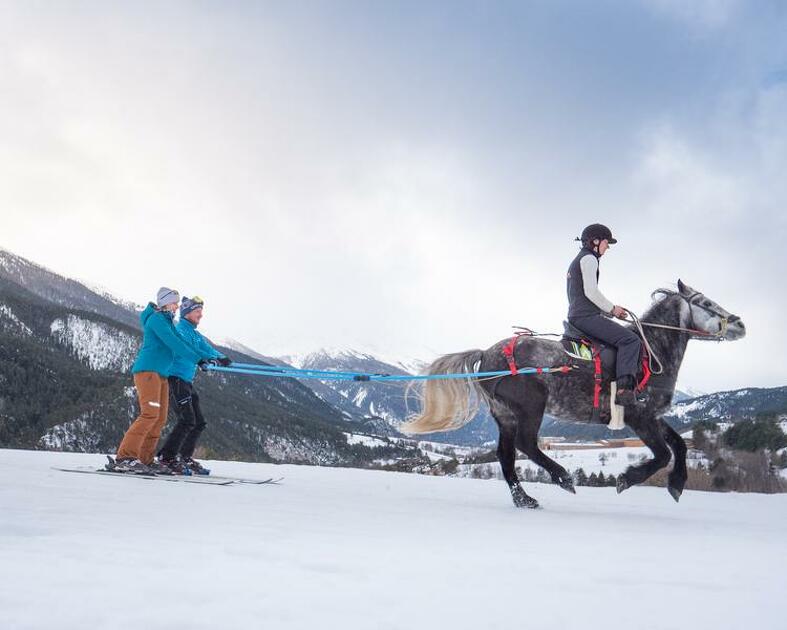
(519,402)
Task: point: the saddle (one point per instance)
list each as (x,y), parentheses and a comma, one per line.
(590,353)
(582,349)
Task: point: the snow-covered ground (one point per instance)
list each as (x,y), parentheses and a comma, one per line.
(351,549)
(610,461)
(607,460)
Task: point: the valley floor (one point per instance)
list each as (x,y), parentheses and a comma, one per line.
(352,549)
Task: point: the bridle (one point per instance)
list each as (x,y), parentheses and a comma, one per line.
(654,362)
(695,333)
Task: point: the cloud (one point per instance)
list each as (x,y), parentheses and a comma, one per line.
(350,176)
(720,204)
(703,15)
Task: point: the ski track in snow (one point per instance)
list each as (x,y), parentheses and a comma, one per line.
(367,550)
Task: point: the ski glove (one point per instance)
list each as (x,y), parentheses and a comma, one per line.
(224,361)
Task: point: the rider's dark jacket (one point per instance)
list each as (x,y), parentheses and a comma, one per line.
(584,298)
(586,310)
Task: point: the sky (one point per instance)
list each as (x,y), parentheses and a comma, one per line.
(405,178)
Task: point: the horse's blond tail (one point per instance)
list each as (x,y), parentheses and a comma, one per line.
(451,403)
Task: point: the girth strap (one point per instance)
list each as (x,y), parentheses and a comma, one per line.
(646,374)
(508,351)
(597,377)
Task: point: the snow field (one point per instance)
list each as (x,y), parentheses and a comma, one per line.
(352,549)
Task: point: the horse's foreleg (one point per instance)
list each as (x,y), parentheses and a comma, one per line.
(677,478)
(650,433)
(506,454)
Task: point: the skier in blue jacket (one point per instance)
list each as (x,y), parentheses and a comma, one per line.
(178,449)
(151,370)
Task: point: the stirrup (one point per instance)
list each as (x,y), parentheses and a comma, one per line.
(626,398)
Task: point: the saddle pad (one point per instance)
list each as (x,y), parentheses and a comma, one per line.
(582,353)
(577,350)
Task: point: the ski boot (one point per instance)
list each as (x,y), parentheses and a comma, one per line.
(195,467)
(159,467)
(176,466)
(128,465)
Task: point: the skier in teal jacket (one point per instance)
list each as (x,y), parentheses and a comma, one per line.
(178,449)
(151,369)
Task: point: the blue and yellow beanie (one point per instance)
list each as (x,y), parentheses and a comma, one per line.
(188,305)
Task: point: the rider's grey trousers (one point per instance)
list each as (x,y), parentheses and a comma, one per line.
(607,331)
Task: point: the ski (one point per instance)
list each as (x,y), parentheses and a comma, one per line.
(204,480)
(253,482)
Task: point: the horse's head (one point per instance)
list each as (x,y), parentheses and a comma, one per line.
(698,312)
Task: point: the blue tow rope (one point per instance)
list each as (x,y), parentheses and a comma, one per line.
(330,375)
(286,368)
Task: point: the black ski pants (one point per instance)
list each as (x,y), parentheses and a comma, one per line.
(627,342)
(183,438)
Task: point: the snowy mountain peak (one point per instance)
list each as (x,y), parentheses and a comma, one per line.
(687,393)
(343,358)
(53,287)
(108,295)
(730,405)
(239,346)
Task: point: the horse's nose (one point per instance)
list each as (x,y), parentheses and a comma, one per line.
(735,321)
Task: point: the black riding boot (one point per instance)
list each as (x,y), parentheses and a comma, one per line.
(626,394)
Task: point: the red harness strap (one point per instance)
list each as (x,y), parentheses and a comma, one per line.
(596,376)
(508,351)
(510,348)
(645,374)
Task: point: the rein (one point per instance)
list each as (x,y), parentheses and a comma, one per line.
(694,331)
(652,356)
(705,335)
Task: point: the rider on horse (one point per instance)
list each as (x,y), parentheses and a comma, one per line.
(589,311)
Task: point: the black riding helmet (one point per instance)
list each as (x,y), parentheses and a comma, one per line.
(597,231)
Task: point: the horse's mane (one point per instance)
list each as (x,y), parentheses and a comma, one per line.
(658,296)
(663,292)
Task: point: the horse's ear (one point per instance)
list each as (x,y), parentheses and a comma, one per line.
(681,286)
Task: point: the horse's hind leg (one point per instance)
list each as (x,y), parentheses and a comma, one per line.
(527,442)
(677,478)
(506,453)
(649,432)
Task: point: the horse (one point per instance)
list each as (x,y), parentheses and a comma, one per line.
(518,402)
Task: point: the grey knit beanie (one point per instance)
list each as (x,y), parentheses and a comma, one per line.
(166,296)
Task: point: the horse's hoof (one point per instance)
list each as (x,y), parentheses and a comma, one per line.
(622,484)
(675,493)
(523,500)
(567,484)
(528,502)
